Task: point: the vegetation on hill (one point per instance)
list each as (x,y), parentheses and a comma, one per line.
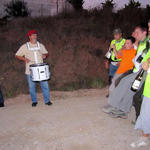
(76,43)
(17,8)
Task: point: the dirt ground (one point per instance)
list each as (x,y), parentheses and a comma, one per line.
(74,122)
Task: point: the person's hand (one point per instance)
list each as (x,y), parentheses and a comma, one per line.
(123,47)
(148,60)
(44,56)
(26,60)
(113,46)
(145,65)
(106,64)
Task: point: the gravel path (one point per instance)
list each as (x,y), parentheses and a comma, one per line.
(74,122)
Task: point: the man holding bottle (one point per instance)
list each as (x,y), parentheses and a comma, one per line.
(118,43)
(137,98)
(120,100)
(143,121)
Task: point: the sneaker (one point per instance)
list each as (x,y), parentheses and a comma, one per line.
(133,122)
(34,104)
(48,103)
(117,112)
(142,141)
(123,115)
(1,104)
(107,109)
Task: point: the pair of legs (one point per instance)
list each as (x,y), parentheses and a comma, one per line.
(1,99)
(113,82)
(32,88)
(138,97)
(112,71)
(137,100)
(117,78)
(143,123)
(121,98)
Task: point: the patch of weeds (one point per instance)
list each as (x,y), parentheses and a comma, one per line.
(83,83)
(97,83)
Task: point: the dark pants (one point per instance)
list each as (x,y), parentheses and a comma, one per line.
(112,71)
(1,97)
(138,97)
(137,100)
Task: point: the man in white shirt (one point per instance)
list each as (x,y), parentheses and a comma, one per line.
(28,57)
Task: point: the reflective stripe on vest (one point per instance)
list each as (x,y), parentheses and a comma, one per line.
(146,91)
(141,47)
(118,45)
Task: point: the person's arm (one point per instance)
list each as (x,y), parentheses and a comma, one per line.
(20,54)
(118,54)
(26,60)
(107,64)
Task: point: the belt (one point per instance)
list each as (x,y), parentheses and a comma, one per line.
(114,63)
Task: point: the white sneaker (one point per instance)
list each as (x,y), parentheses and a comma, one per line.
(107,109)
(142,141)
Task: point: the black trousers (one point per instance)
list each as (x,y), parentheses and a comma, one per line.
(138,97)
(1,97)
(137,100)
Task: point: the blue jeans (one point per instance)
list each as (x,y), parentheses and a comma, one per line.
(112,70)
(32,88)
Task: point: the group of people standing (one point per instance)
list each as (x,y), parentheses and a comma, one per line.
(129,79)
